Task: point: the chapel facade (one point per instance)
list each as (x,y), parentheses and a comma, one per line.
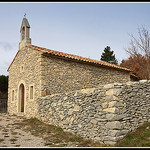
(37,72)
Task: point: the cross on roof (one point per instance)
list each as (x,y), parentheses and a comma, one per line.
(24,15)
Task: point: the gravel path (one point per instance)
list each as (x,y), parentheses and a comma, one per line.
(12,136)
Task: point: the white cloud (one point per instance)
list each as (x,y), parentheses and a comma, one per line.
(6,46)
(7,53)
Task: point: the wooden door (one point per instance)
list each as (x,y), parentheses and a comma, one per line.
(22,98)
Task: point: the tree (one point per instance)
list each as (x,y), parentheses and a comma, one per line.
(140,45)
(108,56)
(3,83)
(136,63)
(3,86)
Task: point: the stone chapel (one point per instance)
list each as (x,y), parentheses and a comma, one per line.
(37,72)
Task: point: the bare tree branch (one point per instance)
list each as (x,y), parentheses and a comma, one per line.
(141,46)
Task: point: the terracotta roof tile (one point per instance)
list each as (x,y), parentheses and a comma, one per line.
(75,57)
(71,56)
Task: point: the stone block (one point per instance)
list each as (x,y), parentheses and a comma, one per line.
(110,138)
(109,98)
(43,63)
(111,110)
(109,142)
(114,133)
(117,91)
(105,104)
(112,117)
(79,125)
(76,108)
(43,93)
(94,121)
(112,104)
(87,91)
(143,81)
(114,125)
(108,86)
(110,92)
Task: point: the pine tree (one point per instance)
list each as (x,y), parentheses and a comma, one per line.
(108,56)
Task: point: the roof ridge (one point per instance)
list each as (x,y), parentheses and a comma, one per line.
(76,57)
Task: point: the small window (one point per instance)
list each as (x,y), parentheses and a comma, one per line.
(22,68)
(13,95)
(31,92)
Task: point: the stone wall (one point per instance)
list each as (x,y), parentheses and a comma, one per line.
(62,75)
(49,75)
(24,70)
(105,114)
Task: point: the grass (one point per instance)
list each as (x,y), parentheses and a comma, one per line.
(56,137)
(13,133)
(138,138)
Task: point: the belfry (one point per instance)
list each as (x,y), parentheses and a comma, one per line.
(25,33)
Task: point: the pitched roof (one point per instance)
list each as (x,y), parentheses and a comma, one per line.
(73,57)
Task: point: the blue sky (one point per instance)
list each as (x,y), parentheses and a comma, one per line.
(83,29)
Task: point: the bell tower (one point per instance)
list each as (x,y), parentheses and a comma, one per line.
(25,33)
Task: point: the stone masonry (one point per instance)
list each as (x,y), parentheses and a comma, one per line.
(51,75)
(37,72)
(29,74)
(62,75)
(70,91)
(105,114)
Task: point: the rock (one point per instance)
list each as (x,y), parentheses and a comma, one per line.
(108,86)
(143,81)
(110,92)
(111,110)
(112,104)
(79,125)
(112,117)
(76,108)
(109,142)
(105,104)
(117,91)
(94,121)
(114,125)
(113,133)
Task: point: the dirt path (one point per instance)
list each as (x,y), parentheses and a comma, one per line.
(12,136)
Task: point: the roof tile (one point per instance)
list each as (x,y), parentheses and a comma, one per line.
(75,57)
(71,56)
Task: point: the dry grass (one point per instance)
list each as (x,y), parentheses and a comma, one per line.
(54,136)
(138,138)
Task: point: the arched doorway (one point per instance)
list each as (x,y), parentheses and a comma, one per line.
(21,98)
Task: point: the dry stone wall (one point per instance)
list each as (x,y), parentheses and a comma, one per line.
(105,113)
